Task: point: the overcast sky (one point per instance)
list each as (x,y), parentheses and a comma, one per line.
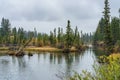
(45,15)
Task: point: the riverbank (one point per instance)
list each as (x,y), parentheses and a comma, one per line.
(4,48)
(45,49)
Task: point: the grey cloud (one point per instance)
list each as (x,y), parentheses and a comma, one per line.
(29,11)
(82,9)
(55,12)
(46,10)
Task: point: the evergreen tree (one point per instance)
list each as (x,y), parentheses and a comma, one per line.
(35,33)
(115,29)
(0,35)
(76,31)
(45,39)
(14,32)
(5,25)
(51,38)
(79,41)
(76,39)
(62,39)
(21,36)
(82,37)
(99,34)
(107,36)
(68,36)
(62,36)
(39,40)
(100,29)
(59,35)
(55,41)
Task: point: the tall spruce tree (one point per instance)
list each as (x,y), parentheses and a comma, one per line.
(68,35)
(55,41)
(107,31)
(76,36)
(59,35)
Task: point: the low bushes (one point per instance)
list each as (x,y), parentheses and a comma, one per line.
(110,70)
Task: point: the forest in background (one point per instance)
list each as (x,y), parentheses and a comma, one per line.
(57,38)
(107,34)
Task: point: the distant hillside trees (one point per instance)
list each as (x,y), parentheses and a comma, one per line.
(57,38)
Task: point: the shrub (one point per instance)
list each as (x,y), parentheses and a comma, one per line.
(107,71)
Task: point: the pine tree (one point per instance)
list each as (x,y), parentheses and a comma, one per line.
(14,32)
(0,35)
(55,41)
(51,38)
(5,25)
(107,36)
(68,39)
(76,36)
(59,35)
(115,29)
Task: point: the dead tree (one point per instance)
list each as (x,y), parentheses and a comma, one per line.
(20,51)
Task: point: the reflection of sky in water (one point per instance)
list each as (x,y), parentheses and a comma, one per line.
(45,66)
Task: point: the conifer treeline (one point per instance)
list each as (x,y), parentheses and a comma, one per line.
(114,27)
(57,38)
(108,30)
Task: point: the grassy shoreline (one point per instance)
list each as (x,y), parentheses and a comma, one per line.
(44,49)
(4,48)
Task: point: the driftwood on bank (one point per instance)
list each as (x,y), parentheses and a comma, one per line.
(20,51)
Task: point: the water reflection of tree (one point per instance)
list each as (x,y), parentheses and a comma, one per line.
(98,52)
(55,58)
(21,62)
(59,59)
(44,55)
(13,59)
(69,61)
(38,56)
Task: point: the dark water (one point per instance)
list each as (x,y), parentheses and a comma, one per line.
(45,66)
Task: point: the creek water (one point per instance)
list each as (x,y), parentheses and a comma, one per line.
(45,65)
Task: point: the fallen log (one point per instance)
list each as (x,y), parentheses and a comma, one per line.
(20,51)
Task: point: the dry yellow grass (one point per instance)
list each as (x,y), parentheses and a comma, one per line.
(46,48)
(4,48)
(115,55)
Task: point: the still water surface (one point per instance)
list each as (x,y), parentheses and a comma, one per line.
(45,65)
